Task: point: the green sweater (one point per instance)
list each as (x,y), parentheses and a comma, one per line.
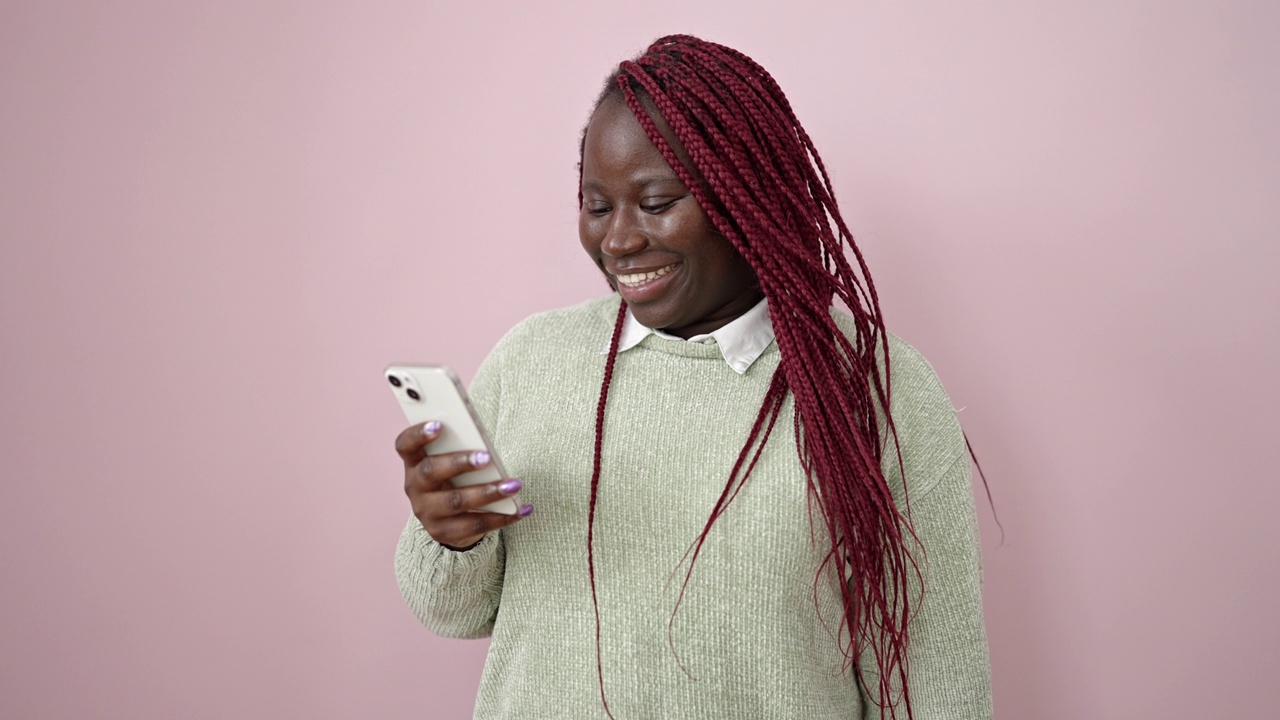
(755,630)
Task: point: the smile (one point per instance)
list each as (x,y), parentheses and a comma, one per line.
(635,279)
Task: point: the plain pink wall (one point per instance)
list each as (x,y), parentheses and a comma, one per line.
(218,223)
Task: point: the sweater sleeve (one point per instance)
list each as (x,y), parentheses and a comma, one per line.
(456,593)
(948,667)
(947,661)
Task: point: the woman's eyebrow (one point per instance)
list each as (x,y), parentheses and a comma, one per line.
(642,181)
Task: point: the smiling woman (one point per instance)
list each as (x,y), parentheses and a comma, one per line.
(690,555)
(647,232)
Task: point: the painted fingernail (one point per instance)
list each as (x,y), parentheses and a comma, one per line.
(508,487)
(525,510)
(480,458)
(431,428)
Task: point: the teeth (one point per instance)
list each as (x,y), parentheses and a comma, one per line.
(637,278)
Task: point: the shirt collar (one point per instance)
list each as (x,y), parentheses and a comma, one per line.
(741,342)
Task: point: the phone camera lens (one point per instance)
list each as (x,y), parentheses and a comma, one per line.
(413,394)
(395,381)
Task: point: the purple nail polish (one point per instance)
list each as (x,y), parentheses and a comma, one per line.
(480,458)
(431,428)
(525,510)
(508,487)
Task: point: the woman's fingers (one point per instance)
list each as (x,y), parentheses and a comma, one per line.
(461,531)
(425,473)
(433,472)
(411,443)
(453,516)
(453,501)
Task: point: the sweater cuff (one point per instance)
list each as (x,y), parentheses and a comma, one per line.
(433,565)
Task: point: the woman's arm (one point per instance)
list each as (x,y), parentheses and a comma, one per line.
(454,593)
(949,671)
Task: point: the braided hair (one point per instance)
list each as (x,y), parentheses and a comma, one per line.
(757,175)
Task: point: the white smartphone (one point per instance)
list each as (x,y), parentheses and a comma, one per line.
(433,392)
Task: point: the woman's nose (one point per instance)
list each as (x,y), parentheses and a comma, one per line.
(624,236)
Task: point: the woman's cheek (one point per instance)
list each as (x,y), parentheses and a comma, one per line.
(588,235)
(672,226)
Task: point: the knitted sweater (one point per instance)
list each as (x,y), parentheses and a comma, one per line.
(755,630)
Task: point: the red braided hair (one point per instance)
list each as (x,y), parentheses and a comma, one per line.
(757,175)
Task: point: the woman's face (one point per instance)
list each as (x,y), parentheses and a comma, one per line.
(647,233)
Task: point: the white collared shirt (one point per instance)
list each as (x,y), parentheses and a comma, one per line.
(741,342)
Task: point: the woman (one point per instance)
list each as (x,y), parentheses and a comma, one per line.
(722,525)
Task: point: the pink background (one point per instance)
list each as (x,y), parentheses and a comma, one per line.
(218,224)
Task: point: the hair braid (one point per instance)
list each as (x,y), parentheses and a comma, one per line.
(754,170)
(595,485)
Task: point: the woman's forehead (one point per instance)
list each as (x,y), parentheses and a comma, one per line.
(615,138)
(615,135)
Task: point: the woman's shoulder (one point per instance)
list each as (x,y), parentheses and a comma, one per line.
(553,341)
(907,365)
(587,323)
(923,414)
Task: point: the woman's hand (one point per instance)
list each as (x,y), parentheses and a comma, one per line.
(451,515)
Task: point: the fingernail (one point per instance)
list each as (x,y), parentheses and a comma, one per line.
(431,428)
(508,487)
(480,458)
(525,510)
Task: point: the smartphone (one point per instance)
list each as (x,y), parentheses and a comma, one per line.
(433,392)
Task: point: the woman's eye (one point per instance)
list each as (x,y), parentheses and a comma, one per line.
(656,208)
(598,209)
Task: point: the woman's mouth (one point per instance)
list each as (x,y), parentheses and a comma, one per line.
(636,279)
(641,286)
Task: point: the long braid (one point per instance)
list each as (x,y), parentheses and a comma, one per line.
(764,187)
(595,488)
